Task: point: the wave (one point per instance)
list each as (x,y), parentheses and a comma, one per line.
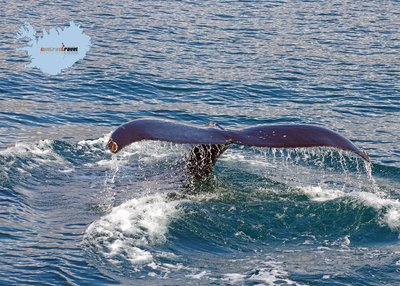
(135,237)
(388,209)
(257,195)
(131,231)
(151,219)
(24,161)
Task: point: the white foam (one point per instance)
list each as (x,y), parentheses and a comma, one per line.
(390,206)
(39,154)
(373,200)
(95,142)
(320,194)
(392,218)
(326,276)
(199,275)
(272,274)
(234,277)
(267,272)
(129,229)
(68,170)
(43,147)
(346,241)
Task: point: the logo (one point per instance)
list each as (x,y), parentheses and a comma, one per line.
(62,49)
(55,50)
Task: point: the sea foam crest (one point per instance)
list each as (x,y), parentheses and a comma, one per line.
(390,207)
(23,158)
(40,153)
(43,147)
(127,232)
(318,193)
(95,143)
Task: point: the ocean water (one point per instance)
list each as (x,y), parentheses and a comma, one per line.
(73,214)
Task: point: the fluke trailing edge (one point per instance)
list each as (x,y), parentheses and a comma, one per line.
(212,140)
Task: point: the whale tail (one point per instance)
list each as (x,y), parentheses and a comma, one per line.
(212,140)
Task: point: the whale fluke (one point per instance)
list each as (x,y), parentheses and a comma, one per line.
(294,136)
(275,136)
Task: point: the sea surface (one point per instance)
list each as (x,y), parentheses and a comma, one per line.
(71,213)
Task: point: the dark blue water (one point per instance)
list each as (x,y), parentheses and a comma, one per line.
(72,214)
